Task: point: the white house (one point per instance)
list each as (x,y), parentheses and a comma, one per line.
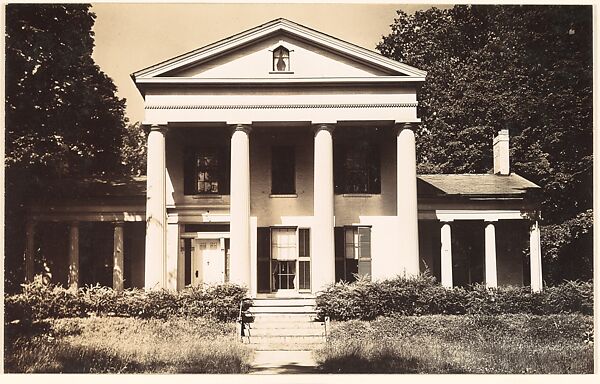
(283,159)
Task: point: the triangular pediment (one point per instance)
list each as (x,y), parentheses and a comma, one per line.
(249,55)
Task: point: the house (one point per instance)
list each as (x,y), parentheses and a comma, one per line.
(283,159)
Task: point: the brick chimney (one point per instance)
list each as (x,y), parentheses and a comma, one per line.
(501,155)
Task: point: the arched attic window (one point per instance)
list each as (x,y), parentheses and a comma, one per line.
(281,59)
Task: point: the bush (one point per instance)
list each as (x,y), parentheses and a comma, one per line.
(423,296)
(40,301)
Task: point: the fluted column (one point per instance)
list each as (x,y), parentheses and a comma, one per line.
(73,278)
(446,255)
(118,255)
(240,206)
(29,251)
(535,256)
(156,210)
(406,195)
(323,262)
(491,272)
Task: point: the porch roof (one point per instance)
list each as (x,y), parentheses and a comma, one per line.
(474,185)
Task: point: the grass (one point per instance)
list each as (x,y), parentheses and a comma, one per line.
(125,345)
(461,344)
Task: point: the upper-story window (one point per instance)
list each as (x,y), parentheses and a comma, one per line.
(357,167)
(283,170)
(281,59)
(206,171)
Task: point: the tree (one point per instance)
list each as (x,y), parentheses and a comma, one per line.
(525,68)
(63,119)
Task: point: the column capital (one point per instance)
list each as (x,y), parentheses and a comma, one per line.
(490,221)
(162,128)
(446,221)
(246,128)
(329,127)
(401,126)
(118,223)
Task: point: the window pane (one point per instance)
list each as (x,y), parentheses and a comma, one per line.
(304,275)
(364,238)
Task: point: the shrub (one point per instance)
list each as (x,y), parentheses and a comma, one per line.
(40,301)
(423,296)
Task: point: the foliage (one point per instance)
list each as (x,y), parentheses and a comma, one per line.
(422,296)
(40,301)
(508,343)
(525,68)
(133,151)
(125,345)
(63,119)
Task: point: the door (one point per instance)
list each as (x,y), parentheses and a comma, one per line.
(208,262)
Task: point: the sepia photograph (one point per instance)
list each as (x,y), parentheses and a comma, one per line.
(294,188)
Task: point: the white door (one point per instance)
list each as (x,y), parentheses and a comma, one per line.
(208,262)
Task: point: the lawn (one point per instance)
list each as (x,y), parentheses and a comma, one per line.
(517,343)
(125,345)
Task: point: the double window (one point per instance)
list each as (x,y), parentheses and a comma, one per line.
(206,171)
(352,253)
(290,259)
(357,167)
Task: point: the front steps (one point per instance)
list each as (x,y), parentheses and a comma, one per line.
(283,324)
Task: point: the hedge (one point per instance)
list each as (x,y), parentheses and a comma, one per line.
(421,295)
(40,301)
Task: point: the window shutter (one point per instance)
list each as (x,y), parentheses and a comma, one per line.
(339,153)
(374,168)
(263,255)
(189,172)
(338,233)
(225,159)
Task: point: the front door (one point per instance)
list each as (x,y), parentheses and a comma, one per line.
(208,262)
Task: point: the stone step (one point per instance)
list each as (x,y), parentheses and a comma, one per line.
(282,317)
(282,309)
(283,340)
(284,347)
(284,302)
(283,332)
(276,324)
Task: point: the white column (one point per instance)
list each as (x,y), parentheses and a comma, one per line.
(155,210)
(29,251)
(172,251)
(491,272)
(73,278)
(406,195)
(118,254)
(446,255)
(240,206)
(323,261)
(535,255)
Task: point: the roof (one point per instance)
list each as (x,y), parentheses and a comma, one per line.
(474,184)
(255,34)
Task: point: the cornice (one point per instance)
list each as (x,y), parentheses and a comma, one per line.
(284,106)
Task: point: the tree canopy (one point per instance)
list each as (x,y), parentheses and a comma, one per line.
(524,68)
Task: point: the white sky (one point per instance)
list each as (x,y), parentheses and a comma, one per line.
(130,37)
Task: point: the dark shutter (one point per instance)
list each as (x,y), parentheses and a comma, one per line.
(374,164)
(263,256)
(339,153)
(339,253)
(225,159)
(189,171)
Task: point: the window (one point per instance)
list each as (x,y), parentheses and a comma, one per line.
(352,253)
(206,171)
(290,259)
(357,167)
(283,170)
(281,60)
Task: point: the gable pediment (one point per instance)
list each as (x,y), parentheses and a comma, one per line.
(249,55)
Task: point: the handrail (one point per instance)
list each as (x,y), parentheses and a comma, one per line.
(240,319)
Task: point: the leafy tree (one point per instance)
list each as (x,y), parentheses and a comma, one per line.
(133,151)
(62,116)
(525,68)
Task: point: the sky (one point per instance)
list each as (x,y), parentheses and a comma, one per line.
(130,37)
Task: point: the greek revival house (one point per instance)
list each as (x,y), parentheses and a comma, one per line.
(283,159)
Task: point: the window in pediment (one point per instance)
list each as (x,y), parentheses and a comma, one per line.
(281,59)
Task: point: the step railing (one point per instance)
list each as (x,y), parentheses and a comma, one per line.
(240,320)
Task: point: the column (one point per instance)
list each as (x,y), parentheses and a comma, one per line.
(240,206)
(155,210)
(323,262)
(446,255)
(406,194)
(29,251)
(491,273)
(73,278)
(535,255)
(118,254)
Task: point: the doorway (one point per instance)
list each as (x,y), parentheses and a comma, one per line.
(208,261)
